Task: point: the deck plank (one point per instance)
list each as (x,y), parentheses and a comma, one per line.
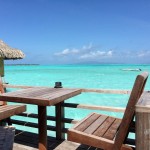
(24,141)
(17,146)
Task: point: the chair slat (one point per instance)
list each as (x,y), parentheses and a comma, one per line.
(95,124)
(8,107)
(11,110)
(111,132)
(104,127)
(87,122)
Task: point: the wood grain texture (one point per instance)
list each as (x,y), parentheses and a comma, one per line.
(108,91)
(91,129)
(95,126)
(84,125)
(42,96)
(142,131)
(95,141)
(112,131)
(10,110)
(104,127)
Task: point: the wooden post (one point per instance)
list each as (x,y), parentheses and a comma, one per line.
(143,122)
(59,111)
(1,67)
(2,91)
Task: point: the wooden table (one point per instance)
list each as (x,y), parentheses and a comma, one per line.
(42,97)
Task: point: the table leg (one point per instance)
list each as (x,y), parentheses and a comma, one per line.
(42,122)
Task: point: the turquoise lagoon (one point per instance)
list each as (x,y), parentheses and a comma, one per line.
(77,76)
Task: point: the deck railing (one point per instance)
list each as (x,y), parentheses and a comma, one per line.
(59,109)
(83,106)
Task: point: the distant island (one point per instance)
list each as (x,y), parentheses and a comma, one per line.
(22,64)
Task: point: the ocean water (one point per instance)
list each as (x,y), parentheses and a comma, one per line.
(77,76)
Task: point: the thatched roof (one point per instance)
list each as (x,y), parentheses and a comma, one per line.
(7,52)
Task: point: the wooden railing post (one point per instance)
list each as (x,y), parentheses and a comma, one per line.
(143,122)
(59,121)
(59,112)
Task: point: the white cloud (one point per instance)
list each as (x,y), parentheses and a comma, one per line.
(110,53)
(143,53)
(87,47)
(96,54)
(84,49)
(67,52)
(86,52)
(92,53)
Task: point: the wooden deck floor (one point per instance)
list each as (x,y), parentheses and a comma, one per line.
(28,141)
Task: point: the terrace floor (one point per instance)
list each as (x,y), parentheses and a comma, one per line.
(28,141)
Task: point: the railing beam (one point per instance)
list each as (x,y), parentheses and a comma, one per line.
(107,91)
(93,107)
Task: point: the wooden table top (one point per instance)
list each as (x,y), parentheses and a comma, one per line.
(42,96)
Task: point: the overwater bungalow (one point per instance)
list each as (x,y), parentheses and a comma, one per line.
(94,132)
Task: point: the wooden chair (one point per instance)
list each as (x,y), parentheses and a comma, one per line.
(6,111)
(105,132)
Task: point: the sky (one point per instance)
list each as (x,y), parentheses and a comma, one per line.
(77,31)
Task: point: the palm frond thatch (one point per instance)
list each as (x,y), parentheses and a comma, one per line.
(7,52)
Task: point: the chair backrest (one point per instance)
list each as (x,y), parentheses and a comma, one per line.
(2,91)
(136,92)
